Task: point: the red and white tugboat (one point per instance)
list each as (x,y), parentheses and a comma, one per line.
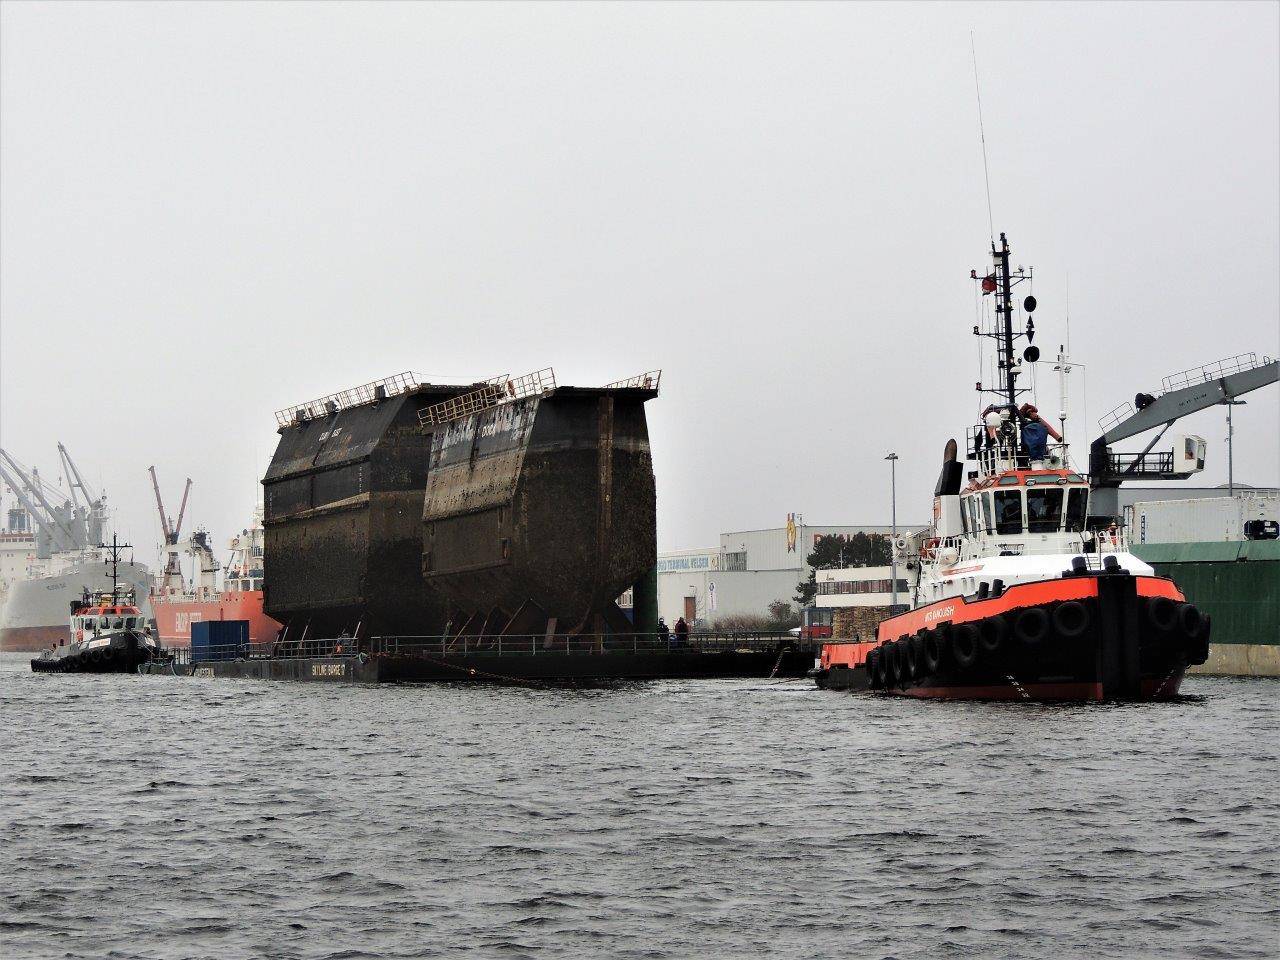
(1017,593)
(109,633)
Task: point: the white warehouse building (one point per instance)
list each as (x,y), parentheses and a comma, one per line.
(749,570)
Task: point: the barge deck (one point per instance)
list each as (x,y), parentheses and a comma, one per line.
(526,661)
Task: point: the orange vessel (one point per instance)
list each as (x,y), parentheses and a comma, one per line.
(177,606)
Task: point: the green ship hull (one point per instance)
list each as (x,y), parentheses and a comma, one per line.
(1238,585)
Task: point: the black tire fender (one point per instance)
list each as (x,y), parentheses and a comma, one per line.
(964,645)
(992,632)
(1070,619)
(917,651)
(873,663)
(893,664)
(911,664)
(1189,619)
(930,651)
(1162,613)
(1032,626)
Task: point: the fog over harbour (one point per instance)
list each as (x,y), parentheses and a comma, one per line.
(208,212)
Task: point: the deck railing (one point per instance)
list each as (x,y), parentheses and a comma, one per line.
(498,645)
(365,393)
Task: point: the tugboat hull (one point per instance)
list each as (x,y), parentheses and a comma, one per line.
(120,657)
(1103,637)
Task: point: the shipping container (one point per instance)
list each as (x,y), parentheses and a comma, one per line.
(219,639)
(1210,520)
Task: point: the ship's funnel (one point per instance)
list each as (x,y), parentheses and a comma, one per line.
(952,471)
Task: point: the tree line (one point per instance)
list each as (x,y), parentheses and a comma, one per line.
(859,550)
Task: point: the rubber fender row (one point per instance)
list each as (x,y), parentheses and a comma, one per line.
(897,662)
(1181,624)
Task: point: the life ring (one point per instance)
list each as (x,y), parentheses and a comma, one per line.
(964,645)
(1070,619)
(930,651)
(1189,619)
(1162,613)
(1032,626)
(992,631)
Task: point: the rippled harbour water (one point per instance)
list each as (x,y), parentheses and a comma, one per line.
(169,817)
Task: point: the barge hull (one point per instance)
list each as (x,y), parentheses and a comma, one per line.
(515,669)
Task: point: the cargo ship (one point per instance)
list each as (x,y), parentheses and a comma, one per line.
(62,538)
(178,603)
(1018,589)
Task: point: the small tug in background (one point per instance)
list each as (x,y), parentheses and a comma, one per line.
(1017,590)
(109,633)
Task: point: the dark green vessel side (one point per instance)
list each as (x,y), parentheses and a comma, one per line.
(1238,584)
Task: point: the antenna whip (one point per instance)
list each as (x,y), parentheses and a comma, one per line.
(982,134)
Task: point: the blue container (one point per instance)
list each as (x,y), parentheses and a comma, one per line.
(219,639)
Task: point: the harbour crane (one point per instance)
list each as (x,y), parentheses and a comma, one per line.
(1182,394)
(94,506)
(173,566)
(51,520)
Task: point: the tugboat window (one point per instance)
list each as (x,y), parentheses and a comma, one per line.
(1077,500)
(1044,510)
(1008,511)
(986,510)
(118,623)
(975,522)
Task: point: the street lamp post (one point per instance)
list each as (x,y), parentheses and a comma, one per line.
(1231,436)
(893,513)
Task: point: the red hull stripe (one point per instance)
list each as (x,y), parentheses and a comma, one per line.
(962,610)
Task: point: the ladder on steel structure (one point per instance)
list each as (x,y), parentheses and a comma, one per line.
(492,394)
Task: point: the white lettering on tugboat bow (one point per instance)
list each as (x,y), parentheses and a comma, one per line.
(328,669)
(938,614)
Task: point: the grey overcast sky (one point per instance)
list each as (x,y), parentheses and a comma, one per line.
(209,211)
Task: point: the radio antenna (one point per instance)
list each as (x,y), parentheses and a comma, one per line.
(982,134)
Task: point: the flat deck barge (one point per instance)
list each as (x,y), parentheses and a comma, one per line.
(506,660)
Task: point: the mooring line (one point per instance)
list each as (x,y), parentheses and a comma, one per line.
(472,671)
(777,663)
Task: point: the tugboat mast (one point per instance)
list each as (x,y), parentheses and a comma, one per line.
(1004,307)
(114,547)
(1004,334)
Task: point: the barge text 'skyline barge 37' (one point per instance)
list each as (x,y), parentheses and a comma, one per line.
(1018,592)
